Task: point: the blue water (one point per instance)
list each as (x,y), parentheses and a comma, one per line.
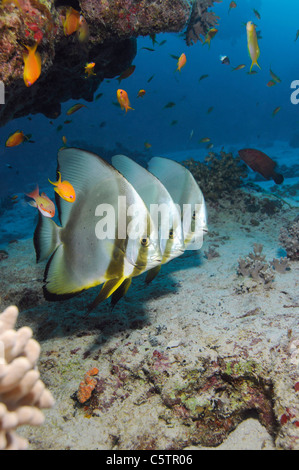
(242,103)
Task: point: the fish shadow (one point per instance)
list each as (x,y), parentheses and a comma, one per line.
(70,318)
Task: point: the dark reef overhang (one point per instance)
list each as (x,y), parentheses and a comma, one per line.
(114,26)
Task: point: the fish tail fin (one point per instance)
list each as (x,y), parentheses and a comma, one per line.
(46,238)
(254,62)
(56,182)
(129,107)
(34,193)
(108,288)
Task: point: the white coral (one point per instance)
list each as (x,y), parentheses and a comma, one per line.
(22,393)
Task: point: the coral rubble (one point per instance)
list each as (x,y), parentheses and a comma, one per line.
(289,238)
(22,393)
(113,28)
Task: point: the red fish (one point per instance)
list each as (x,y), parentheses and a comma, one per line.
(261,163)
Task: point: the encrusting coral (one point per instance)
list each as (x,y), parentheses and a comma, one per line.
(22,393)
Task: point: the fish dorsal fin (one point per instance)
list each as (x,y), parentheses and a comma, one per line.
(184,191)
(83,170)
(177,179)
(152,192)
(149,188)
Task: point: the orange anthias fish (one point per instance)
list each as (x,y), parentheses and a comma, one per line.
(42,202)
(71,22)
(123,99)
(15,139)
(181,62)
(260,162)
(64,189)
(32,65)
(89,69)
(141,93)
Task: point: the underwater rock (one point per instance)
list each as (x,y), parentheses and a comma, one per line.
(65,79)
(113,27)
(289,239)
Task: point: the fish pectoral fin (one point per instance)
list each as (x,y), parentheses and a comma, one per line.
(120,291)
(108,288)
(152,273)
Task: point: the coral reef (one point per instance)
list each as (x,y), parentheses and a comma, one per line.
(218,175)
(113,26)
(289,239)
(22,393)
(200,22)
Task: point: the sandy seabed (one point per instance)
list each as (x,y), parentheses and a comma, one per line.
(200,358)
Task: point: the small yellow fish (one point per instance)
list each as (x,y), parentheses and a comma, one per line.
(42,202)
(64,189)
(210,35)
(64,139)
(32,65)
(123,99)
(141,93)
(89,69)
(181,62)
(239,67)
(252,42)
(15,139)
(147,145)
(75,108)
(204,140)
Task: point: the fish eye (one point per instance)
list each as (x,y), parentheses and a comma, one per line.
(144,241)
(194,215)
(171,233)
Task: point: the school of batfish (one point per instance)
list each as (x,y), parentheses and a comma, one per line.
(101,240)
